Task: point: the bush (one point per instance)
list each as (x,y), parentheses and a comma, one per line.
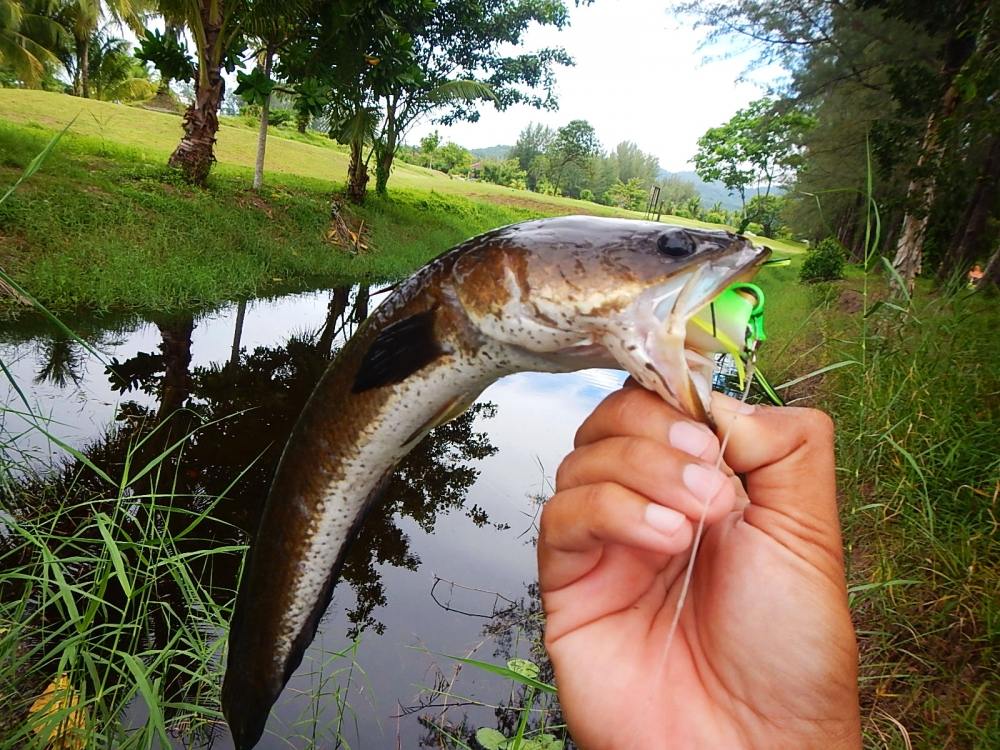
(825,262)
(278,117)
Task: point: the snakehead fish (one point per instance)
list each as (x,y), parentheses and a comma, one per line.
(554,295)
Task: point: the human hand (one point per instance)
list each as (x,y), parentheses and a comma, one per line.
(765,654)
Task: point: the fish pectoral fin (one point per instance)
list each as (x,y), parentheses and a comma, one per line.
(399,350)
(451,409)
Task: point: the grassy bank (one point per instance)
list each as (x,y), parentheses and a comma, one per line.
(105,226)
(919,472)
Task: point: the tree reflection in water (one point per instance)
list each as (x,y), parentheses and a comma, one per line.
(516,631)
(215,436)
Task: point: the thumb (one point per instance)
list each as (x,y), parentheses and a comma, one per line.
(786,457)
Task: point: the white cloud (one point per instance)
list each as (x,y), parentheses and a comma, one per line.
(639,76)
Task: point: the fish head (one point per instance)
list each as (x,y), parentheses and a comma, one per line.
(611,292)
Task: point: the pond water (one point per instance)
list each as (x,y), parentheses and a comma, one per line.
(445,566)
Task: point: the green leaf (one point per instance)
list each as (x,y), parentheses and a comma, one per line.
(524,667)
(505,672)
(490,738)
(149,695)
(103,521)
(254,87)
(36,163)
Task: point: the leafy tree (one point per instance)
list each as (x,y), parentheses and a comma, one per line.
(453,158)
(572,149)
(913,86)
(676,191)
(631,162)
(82,18)
(766,211)
(220,29)
(269,29)
(629,194)
(532,143)
(505,172)
(758,146)
(429,144)
(115,74)
(470,37)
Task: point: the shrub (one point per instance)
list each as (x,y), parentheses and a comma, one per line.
(825,262)
(278,117)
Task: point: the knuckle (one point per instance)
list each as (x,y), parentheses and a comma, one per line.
(637,454)
(820,424)
(565,473)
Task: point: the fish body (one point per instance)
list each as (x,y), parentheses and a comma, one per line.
(554,295)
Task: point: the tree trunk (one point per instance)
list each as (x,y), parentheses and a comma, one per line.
(176,350)
(337,307)
(357,174)
(922,189)
(258,171)
(386,152)
(361,303)
(991,275)
(195,153)
(81,84)
(241,312)
(302,121)
(967,238)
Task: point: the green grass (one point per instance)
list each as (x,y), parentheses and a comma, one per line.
(918,453)
(108,596)
(104,226)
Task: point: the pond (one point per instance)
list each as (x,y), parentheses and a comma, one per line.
(444,567)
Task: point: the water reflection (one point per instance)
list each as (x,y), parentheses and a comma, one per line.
(236,415)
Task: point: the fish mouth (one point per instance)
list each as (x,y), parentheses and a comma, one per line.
(668,354)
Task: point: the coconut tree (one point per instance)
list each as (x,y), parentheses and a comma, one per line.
(215,26)
(220,30)
(83,18)
(28,40)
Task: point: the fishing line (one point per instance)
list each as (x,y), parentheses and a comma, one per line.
(689,570)
(699,531)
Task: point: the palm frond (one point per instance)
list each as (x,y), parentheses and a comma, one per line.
(466,90)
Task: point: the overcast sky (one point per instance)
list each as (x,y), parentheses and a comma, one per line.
(638,76)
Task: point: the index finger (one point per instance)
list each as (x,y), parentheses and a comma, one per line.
(636,412)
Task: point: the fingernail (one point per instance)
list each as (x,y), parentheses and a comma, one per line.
(690,438)
(703,483)
(664,520)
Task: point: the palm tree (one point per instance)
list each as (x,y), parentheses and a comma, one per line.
(216,26)
(83,18)
(28,40)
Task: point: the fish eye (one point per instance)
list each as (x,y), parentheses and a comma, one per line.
(675,243)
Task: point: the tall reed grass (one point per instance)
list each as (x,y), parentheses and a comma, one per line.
(919,456)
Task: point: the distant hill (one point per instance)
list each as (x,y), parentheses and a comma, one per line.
(491,152)
(711,192)
(715,192)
